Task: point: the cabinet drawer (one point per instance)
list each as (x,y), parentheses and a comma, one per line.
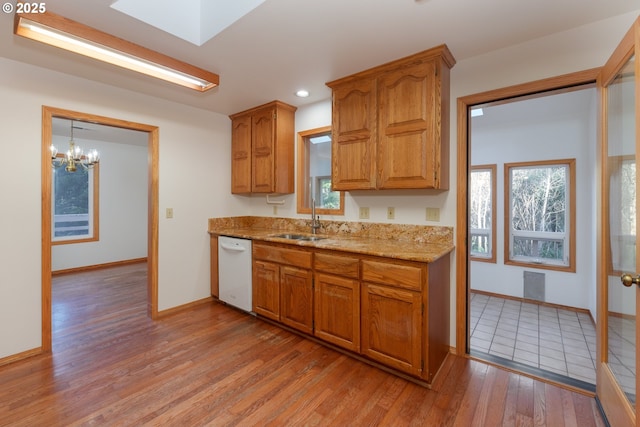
(395,274)
(280,255)
(336,264)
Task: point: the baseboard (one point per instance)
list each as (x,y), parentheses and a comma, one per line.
(531,301)
(98,266)
(187,306)
(20,356)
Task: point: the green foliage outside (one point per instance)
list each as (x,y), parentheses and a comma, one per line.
(71,190)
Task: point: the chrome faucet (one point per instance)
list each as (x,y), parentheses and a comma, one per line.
(315,220)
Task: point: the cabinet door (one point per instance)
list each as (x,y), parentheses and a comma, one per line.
(296,298)
(354,136)
(266,289)
(263,155)
(241,155)
(392,327)
(337,310)
(408,135)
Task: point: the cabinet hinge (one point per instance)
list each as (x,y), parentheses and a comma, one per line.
(422,365)
(422,308)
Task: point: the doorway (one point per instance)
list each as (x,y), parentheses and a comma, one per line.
(467,243)
(532,251)
(48,115)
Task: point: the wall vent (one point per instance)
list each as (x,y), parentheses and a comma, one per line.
(534,286)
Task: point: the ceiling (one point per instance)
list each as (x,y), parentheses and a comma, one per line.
(285,45)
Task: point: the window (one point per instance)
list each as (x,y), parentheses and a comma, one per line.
(482,232)
(314,174)
(75,205)
(540,214)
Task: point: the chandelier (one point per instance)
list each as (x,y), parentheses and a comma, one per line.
(74,156)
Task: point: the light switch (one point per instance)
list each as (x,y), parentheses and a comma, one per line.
(169,213)
(391,213)
(364,213)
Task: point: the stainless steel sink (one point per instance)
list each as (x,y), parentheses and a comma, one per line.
(305,237)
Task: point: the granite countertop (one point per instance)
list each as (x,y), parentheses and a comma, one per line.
(407,242)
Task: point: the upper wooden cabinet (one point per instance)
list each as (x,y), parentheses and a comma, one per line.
(391,124)
(262,149)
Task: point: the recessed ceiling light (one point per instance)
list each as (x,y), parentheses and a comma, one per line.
(302,93)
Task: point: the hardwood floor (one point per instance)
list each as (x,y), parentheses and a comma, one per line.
(213,365)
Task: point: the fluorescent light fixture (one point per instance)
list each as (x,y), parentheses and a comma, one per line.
(66,34)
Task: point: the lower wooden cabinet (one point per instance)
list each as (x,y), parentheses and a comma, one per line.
(296,298)
(391,311)
(283,285)
(337,310)
(392,327)
(266,289)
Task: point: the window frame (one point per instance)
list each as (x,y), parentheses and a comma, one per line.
(493,170)
(303,178)
(94,205)
(570,218)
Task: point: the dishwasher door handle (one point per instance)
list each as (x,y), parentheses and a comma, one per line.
(232,248)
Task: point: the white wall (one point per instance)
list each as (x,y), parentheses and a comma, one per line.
(195,168)
(123,208)
(194,179)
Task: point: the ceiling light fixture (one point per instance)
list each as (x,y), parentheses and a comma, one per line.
(302,93)
(66,34)
(74,156)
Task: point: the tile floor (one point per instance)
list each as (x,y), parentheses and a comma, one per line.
(555,340)
(551,339)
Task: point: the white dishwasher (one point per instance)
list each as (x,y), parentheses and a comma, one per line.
(234,272)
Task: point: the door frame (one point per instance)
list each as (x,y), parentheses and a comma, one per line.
(463,300)
(152,221)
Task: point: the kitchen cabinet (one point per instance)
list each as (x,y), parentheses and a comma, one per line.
(283,285)
(405,314)
(213,256)
(394,312)
(390,125)
(266,289)
(337,299)
(262,149)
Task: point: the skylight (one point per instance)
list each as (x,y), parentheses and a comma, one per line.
(196,21)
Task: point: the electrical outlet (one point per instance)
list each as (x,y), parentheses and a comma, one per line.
(391,213)
(364,213)
(169,213)
(433,214)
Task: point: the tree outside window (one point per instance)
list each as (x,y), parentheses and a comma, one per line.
(540,213)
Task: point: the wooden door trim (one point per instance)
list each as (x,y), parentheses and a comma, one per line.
(152,222)
(463,167)
(607,391)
